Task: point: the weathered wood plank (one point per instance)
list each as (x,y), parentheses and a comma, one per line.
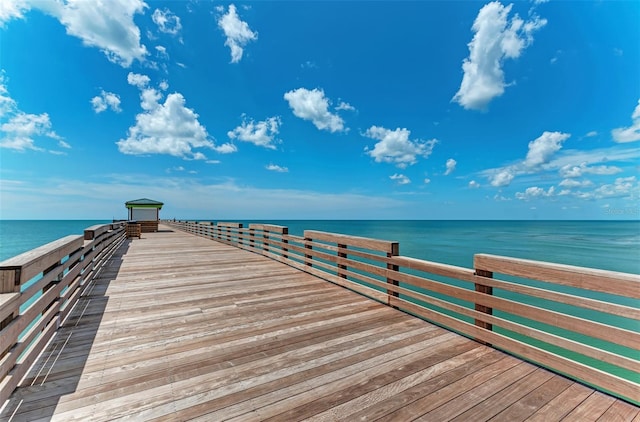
(616,283)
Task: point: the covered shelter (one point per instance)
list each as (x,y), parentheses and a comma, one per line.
(146,212)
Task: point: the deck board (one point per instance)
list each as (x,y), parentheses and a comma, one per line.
(178,327)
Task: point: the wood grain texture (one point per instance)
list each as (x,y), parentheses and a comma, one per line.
(180,327)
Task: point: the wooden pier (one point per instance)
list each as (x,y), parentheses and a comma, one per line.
(233,323)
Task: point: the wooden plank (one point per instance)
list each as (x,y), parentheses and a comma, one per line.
(93,232)
(385,246)
(269,227)
(9,303)
(584,326)
(33,262)
(612,282)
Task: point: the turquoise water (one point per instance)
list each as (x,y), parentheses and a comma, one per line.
(610,245)
(18,236)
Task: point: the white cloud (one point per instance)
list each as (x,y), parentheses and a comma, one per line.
(226,148)
(395,146)
(427,181)
(167,22)
(571,183)
(164,128)
(20,129)
(631,133)
(473,184)
(277,168)
(535,192)
(162,52)
(262,133)
(591,134)
(106,100)
(237,32)
(10,9)
(164,85)
(503,177)
(345,106)
(400,178)
(496,38)
(542,148)
(314,106)
(107,25)
(569,171)
(539,154)
(622,187)
(451,166)
(138,80)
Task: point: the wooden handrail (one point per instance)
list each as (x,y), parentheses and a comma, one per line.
(477,303)
(48,280)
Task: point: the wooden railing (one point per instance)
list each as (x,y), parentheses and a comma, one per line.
(39,288)
(581,322)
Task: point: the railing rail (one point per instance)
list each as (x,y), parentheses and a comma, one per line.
(39,288)
(581,322)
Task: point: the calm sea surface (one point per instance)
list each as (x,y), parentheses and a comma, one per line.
(610,245)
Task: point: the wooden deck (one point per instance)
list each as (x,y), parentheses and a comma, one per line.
(179,327)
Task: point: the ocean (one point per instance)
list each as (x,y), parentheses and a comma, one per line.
(609,245)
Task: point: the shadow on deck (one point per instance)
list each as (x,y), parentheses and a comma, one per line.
(58,370)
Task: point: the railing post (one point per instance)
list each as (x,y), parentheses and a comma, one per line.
(239,235)
(252,235)
(285,250)
(395,251)
(265,240)
(9,283)
(49,286)
(488,290)
(308,246)
(342,254)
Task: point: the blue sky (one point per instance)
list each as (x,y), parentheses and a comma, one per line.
(320,110)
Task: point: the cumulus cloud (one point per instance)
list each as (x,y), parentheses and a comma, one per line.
(496,38)
(261,133)
(543,147)
(314,106)
(539,154)
(535,192)
(621,187)
(162,52)
(277,168)
(572,183)
(138,80)
(631,133)
(107,25)
(20,130)
(395,147)
(427,181)
(345,106)
(227,148)
(503,177)
(167,22)
(164,128)
(105,101)
(12,9)
(401,179)
(237,32)
(474,185)
(569,171)
(451,166)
